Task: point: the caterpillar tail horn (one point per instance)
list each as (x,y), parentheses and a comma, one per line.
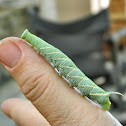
(116,93)
(106,105)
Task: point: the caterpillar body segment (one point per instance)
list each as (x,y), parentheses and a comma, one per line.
(69,70)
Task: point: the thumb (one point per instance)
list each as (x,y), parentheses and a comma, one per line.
(39,82)
(48,92)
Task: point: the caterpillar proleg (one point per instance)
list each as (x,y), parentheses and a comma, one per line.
(70,71)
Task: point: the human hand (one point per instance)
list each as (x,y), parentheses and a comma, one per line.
(53,101)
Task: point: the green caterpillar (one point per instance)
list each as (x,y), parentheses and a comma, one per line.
(69,70)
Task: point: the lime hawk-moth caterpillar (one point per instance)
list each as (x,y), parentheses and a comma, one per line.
(70,71)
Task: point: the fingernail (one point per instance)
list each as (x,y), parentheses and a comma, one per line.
(9,54)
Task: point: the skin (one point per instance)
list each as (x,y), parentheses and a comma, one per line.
(52,101)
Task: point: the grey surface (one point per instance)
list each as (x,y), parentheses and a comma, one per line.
(13,22)
(9,89)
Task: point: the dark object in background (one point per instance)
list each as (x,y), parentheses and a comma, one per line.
(81,40)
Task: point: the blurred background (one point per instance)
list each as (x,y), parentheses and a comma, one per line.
(91,32)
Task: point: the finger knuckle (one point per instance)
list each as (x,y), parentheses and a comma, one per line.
(35,85)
